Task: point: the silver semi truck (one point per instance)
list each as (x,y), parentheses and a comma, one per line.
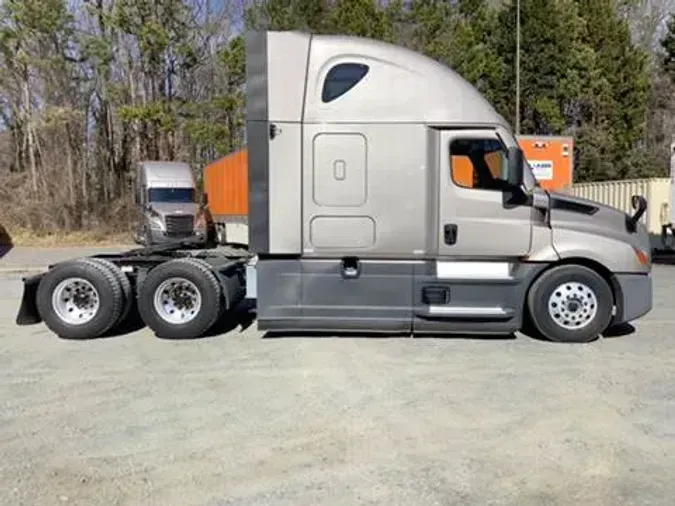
(166,204)
(386,195)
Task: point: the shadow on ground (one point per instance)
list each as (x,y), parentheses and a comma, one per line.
(388,335)
(622,330)
(244,315)
(6,243)
(663,257)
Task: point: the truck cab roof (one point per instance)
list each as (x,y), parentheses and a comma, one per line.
(166,174)
(299,77)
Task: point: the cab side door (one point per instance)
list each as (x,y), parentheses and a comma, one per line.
(480,214)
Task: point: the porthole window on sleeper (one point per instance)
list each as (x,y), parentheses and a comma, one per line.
(342,78)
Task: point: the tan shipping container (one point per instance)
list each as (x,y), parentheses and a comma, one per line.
(619,192)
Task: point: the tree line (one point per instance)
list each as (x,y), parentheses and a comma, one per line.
(88,87)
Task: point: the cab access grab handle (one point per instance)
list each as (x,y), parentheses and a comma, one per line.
(350,267)
(639,203)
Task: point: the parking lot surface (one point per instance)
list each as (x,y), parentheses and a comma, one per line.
(247,420)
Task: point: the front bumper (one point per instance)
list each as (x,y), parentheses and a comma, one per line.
(635,296)
(161,237)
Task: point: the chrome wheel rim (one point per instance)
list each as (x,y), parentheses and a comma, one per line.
(76,301)
(177,301)
(573,305)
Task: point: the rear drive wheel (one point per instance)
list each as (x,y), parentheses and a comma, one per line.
(222,298)
(80,300)
(180,299)
(125,285)
(571,304)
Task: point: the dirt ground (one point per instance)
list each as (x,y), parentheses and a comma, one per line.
(240,419)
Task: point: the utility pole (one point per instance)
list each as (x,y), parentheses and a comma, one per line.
(517,67)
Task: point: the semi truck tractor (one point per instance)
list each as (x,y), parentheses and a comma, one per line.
(359,223)
(168,211)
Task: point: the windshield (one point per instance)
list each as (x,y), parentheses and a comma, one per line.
(171,195)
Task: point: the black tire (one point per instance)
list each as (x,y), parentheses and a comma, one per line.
(110,299)
(125,284)
(222,307)
(199,274)
(559,280)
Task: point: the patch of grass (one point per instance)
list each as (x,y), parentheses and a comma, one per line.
(24,237)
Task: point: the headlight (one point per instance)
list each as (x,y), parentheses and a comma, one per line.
(200,223)
(156,223)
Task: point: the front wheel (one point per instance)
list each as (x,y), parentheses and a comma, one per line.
(571,304)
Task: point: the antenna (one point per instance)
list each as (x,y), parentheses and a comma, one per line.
(517,67)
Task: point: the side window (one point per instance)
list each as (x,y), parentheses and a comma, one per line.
(479,164)
(342,78)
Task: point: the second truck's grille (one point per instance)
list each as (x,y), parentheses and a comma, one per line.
(179,224)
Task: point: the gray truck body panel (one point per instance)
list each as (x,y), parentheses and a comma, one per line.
(351,198)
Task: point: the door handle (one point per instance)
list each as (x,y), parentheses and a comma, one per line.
(339,170)
(450,233)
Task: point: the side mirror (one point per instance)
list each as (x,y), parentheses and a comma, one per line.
(639,203)
(515,166)
(148,206)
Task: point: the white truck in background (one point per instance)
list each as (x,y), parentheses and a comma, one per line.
(166,204)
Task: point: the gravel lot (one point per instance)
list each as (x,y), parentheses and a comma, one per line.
(240,419)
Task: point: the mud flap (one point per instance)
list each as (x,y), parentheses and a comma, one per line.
(28,312)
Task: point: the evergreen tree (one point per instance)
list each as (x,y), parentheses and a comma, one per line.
(360,17)
(551,62)
(668,46)
(613,127)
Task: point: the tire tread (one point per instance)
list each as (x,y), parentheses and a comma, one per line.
(44,298)
(163,271)
(535,313)
(125,284)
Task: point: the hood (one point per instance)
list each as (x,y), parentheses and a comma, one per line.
(569,211)
(165,208)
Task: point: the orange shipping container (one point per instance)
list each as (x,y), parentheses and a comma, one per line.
(551,159)
(226,184)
